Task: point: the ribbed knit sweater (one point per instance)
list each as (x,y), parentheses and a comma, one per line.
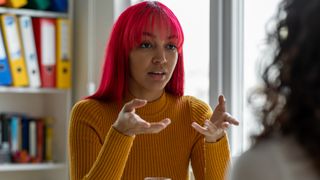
(98,151)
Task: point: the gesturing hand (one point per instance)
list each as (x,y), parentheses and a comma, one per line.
(129,123)
(214,129)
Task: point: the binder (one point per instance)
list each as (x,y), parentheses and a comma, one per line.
(40,140)
(63,54)
(32,139)
(30,52)
(5,124)
(44,31)
(14,50)
(5,147)
(25,133)
(15,134)
(5,73)
(16,3)
(59,5)
(38,4)
(2,116)
(48,139)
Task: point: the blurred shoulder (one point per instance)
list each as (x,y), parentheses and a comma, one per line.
(259,162)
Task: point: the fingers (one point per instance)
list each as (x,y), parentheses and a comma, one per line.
(211,132)
(230,119)
(142,123)
(212,129)
(155,127)
(222,103)
(158,126)
(132,105)
(199,128)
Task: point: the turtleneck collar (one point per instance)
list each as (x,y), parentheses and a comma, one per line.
(151,108)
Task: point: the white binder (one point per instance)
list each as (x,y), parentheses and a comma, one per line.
(30,52)
(13,45)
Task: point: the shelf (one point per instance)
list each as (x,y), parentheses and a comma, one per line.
(25,90)
(33,13)
(31,167)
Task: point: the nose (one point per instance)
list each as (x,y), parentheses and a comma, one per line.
(160,57)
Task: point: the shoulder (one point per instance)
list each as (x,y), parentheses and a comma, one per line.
(91,108)
(199,109)
(257,163)
(281,156)
(193,102)
(86,105)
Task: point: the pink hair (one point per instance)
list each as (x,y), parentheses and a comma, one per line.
(126,34)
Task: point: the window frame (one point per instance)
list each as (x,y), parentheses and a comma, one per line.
(226,63)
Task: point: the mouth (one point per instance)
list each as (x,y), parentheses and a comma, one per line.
(157,75)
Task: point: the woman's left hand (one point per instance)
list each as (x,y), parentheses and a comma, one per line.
(214,129)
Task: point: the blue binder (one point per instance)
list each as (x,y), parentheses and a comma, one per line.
(59,5)
(5,73)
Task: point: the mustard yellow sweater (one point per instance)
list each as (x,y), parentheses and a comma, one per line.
(98,151)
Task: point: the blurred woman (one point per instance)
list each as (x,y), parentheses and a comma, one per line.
(288,147)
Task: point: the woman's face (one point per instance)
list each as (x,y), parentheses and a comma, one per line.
(152,62)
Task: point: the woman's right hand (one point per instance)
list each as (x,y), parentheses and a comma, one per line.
(130,124)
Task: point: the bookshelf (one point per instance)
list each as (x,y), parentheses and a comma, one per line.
(33,13)
(31,167)
(40,102)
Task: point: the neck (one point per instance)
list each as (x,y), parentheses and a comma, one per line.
(149,96)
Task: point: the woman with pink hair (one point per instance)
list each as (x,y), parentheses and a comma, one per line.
(138,123)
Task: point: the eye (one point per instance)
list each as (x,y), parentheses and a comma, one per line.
(145,45)
(171,47)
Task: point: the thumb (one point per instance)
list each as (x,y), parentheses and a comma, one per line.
(135,103)
(222,104)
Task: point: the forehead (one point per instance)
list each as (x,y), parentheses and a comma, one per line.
(148,23)
(158,29)
(158,35)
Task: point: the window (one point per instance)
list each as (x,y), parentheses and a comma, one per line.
(257,21)
(194,19)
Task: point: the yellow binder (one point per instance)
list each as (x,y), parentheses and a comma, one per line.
(16,3)
(48,138)
(63,54)
(14,50)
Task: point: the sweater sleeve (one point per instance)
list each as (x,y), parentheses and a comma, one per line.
(209,160)
(217,159)
(92,156)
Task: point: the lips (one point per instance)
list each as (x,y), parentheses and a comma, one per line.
(157,75)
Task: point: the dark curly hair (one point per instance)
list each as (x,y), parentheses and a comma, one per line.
(291,91)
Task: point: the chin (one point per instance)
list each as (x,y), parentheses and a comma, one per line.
(157,87)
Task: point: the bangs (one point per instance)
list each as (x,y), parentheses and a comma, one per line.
(147,19)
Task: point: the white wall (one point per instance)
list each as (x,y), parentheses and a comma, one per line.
(93,20)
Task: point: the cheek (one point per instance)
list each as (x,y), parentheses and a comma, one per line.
(173,62)
(134,69)
(133,63)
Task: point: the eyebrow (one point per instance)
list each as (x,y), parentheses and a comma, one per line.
(153,36)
